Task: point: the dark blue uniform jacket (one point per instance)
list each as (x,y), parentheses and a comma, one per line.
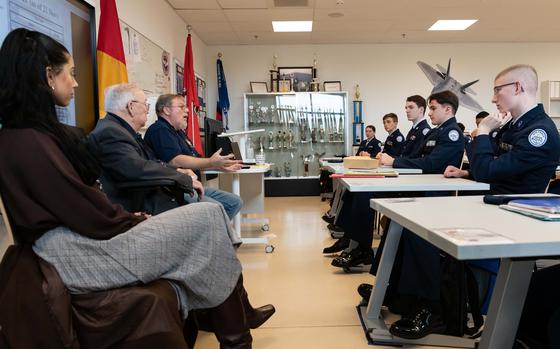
(412,147)
(442,146)
(372,147)
(524,159)
(394,144)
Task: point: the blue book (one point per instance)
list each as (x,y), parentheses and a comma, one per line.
(548,205)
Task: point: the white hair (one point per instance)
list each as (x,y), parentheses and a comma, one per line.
(118,96)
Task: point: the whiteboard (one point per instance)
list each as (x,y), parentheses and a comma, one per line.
(148,66)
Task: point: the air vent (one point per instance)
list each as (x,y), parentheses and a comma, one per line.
(291,3)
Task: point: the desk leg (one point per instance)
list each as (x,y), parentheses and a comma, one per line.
(507,303)
(235,189)
(384,271)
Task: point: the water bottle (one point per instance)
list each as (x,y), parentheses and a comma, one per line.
(249,149)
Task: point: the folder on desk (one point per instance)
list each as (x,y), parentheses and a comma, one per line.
(365,174)
(549,205)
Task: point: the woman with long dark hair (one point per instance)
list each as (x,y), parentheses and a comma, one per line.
(47,183)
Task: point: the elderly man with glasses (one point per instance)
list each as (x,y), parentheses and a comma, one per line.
(125,157)
(167,138)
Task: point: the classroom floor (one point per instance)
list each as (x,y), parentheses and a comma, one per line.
(315,302)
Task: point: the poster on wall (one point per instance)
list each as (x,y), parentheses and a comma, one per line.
(179,77)
(201,92)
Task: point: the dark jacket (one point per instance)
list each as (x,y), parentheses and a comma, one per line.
(412,147)
(442,146)
(125,157)
(525,158)
(394,144)
(373,146)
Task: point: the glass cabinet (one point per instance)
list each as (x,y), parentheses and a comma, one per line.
(300,128)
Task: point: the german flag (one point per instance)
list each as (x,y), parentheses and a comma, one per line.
(111,64)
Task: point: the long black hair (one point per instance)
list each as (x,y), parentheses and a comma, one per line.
(27,101)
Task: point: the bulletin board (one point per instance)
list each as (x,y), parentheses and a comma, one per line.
(148,66)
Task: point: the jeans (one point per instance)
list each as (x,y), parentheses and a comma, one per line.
(232,203)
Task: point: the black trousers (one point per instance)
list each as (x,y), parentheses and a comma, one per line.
(540,321)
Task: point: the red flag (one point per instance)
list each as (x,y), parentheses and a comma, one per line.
(192,98)
(111,63)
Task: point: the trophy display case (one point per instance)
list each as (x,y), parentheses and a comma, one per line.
(301,127)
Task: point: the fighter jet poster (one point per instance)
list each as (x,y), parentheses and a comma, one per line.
(442,81)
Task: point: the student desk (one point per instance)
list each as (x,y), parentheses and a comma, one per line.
(249,185)
(339,168)
(425,182)
(516,239)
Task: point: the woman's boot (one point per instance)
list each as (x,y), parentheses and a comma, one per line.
(255,317)
(229,323)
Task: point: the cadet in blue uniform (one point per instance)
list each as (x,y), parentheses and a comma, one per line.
(371,145)
(443,146)
(395,140)
(415,108)
(528,153)
(169,142)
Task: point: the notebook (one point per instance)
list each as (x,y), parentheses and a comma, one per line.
(549,205)
(543,216)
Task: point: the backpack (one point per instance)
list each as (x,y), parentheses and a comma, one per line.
(459,296)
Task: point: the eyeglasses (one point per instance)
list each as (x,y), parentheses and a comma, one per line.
(145,104)
(182,107)
(498,88)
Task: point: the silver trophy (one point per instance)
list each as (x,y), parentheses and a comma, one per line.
(290,140)
(284,140)
(251,113)
(322,135)
(303,132)
(261,141)
(271,140)
(272,109)
(287,169)
(279,140)
(306,160)
(314,135)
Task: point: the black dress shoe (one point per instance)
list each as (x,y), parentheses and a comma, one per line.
(328,219)
(258,316)
(338,246)
(365,290)
(334,227)
(354,258)
(418,325)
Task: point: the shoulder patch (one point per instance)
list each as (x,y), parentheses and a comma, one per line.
(399,139)
(538,137)
(425,131)
(453,135)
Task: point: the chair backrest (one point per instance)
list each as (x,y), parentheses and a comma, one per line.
(6,235)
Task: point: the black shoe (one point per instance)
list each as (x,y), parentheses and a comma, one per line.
(328,219)
(364,290)
(333,227)
(354,258)
(338,246)
(418,325)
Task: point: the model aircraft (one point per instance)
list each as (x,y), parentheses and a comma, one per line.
(442,81)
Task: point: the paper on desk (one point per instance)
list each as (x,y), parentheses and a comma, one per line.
(473,236)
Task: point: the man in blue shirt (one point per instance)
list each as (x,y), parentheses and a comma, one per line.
(170,144)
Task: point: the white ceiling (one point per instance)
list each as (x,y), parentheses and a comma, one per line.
(242,22)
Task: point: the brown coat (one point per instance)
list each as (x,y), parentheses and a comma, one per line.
(41,190)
